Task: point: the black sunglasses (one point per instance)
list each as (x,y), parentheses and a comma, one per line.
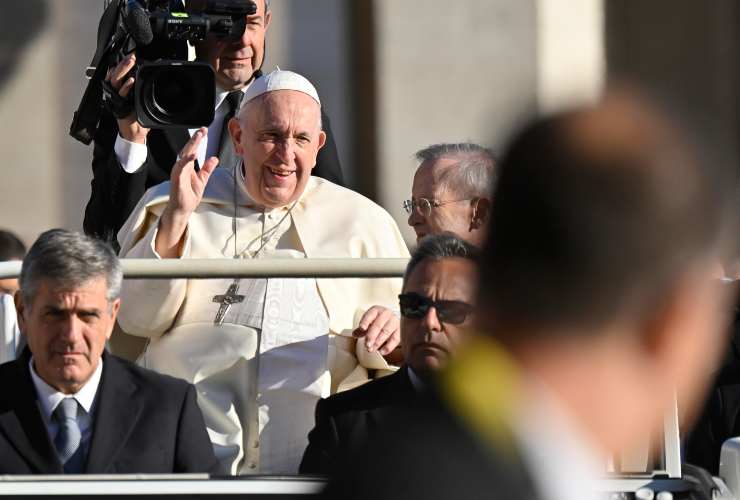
(417,306)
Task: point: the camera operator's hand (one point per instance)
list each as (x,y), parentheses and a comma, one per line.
(186,191)
(128,127)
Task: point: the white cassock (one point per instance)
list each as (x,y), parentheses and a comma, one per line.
(10,335)
(288,342)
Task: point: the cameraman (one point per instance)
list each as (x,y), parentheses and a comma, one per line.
(128,158)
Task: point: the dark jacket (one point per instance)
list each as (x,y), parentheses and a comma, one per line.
(425,451)
(115,193)
(720,418)
(345,420)
(144,423)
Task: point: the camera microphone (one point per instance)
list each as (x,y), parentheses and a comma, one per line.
(137,22)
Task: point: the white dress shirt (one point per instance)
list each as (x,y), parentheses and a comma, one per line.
(132,155)
(49,399)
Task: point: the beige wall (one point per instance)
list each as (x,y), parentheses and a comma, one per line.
(448,72)
(46,172)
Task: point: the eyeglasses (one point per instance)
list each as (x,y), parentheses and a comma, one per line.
(417,306)
(424,206)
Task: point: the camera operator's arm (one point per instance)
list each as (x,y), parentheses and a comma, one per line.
(130,144)
(119,164)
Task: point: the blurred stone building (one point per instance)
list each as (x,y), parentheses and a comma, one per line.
(394,76)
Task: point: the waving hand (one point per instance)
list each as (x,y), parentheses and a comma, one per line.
(186,192)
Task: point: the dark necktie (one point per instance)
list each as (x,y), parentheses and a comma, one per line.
(226,154)
(68,440)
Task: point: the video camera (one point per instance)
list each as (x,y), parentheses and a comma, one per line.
(170,91)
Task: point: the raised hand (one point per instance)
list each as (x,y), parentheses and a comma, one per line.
(186,192)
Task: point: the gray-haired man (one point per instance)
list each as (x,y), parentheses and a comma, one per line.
(451,191)
(66,406)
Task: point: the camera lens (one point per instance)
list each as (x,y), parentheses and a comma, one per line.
(173,94)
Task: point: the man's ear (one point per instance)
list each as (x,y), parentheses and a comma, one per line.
(20,309)
(114,306)
(235,131)
(481,211)
(268,18)
(322,139)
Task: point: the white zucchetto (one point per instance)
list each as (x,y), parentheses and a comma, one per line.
(280,80)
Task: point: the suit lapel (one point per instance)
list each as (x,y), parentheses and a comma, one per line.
(399,391)
(117,412)
(176,138)
(22,424)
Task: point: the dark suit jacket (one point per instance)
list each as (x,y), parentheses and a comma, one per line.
(425,451)
(344,421)
(115,193)
(720,418)
(144,423)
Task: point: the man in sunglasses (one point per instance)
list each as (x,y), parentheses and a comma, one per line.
(451,191)
(436,309)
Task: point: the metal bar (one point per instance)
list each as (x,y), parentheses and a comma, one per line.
(249,268)
(672,441)
(143,484)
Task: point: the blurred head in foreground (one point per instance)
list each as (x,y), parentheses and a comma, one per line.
(598,270)
(11,248)
(437,301)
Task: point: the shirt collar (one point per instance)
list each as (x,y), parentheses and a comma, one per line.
(221,95)
(49,397)
(562,461)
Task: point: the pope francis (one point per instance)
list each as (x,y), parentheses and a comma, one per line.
(262,351)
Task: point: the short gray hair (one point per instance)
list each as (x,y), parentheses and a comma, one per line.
(69,259)
(440,246)
(473,175)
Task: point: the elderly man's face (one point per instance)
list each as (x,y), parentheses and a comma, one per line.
(455,217)
(235,61)
(278,137)
(66,331)
(428,342)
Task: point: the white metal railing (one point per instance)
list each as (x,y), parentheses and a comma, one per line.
(334,268)
(248,268)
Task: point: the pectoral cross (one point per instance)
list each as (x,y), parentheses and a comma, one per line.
(226,301)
